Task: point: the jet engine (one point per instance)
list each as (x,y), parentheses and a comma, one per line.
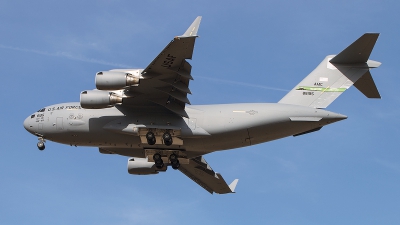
(141,166)
(114,80)
(96,99)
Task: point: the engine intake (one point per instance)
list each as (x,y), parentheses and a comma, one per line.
(114,80)
(99,99)
(141,166)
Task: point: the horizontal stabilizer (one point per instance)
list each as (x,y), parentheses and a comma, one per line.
(367,86)
(359,51)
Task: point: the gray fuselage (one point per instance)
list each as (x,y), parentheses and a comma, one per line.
(209,127)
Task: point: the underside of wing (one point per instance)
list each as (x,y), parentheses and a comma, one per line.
(200,172)
(164,82)
(166,79)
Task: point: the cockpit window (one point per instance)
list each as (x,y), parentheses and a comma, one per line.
(41,110)
(33,116)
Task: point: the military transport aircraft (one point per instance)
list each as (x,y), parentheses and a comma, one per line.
(143,113)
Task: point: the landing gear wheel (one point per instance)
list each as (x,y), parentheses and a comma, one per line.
(159,166)
(151,138)
(41,146)
(167,138)
(173,157)
(157,157)
(175,165)
(174,161)
(158,161)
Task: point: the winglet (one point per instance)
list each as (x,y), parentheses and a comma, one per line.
(232,186)
(192,30)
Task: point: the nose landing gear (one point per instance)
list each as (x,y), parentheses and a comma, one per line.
(40,144)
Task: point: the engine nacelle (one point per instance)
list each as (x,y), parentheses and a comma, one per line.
(141,166)
(99,99)
(115,80)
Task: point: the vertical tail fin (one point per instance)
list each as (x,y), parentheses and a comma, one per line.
(335,74)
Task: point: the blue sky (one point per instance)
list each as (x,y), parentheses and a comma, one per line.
(248,51)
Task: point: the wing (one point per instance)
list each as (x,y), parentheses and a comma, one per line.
(200,172)
(166,79)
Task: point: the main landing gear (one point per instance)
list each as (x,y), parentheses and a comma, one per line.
(174,161)
(172,158)
(167,138)
(40,144)
(151,138)
(158,161)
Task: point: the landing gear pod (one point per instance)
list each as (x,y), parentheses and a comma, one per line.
(140,166)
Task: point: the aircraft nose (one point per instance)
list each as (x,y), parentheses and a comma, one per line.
(28,124)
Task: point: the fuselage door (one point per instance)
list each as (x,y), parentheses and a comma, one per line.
(59,123)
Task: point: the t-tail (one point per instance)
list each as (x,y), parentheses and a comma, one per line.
(335,74)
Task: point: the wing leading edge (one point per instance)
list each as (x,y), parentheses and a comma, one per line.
(200,172)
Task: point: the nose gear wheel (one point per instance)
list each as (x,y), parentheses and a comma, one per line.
(40,144)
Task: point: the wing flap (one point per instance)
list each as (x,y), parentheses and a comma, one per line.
(175,94)
(184,70)
(178,84)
